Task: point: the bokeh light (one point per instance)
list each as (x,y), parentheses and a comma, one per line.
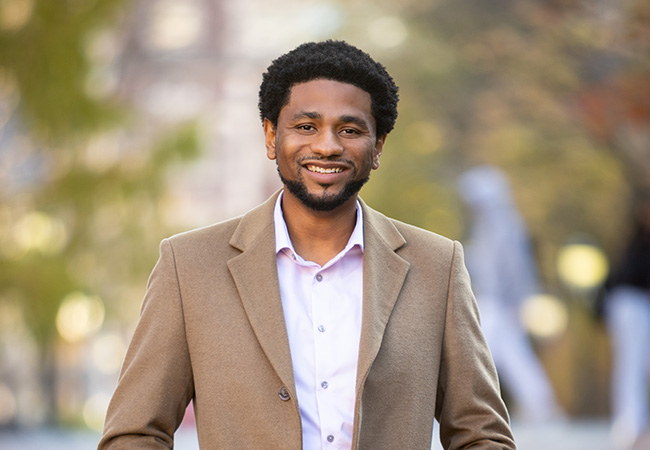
(94,411)
(79,316)
(39,231)
(544,316)
(583,266)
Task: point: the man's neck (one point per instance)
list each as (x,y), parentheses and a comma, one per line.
(319,236)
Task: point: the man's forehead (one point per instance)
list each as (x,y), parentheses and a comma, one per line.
(316,96)
(323,81)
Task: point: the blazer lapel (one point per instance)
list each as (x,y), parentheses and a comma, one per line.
(384,272)
(255,274)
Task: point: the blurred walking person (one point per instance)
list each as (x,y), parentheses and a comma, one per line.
(627,309)
(503,274)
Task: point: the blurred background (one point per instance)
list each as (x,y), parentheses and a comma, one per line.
(124,121)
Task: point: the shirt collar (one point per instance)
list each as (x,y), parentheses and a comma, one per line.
(283,241)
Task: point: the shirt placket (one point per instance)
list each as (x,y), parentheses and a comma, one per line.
(323,327)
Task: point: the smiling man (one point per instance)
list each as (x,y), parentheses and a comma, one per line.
(313,321)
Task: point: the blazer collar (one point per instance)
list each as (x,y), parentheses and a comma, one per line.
(255,224)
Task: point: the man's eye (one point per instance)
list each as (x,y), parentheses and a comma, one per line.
(349,131)
(305,127)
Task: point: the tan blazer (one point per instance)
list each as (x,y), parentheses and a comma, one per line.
(212,329)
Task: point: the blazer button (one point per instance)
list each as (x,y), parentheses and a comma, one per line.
(283,393)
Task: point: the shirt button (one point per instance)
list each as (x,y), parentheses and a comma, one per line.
(321,328)
(330,438)
(324,385)
(319,277)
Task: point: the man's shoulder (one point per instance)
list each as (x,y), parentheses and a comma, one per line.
(415,232)
(219,230)
(204,242)
(422,243)
(243,227)
(411,233)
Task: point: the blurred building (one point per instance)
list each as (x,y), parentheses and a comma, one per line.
(182,60)
(202,60)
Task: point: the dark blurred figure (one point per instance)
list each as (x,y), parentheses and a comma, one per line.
(627,311)
(504,275)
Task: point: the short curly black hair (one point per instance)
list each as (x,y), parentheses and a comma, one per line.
(330,60)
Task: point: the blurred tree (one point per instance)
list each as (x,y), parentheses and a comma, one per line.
(82,190)
(552,92)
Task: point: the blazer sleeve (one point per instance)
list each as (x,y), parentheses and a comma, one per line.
(469,406)
(155,383)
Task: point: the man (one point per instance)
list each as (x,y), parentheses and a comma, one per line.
(504,275)
(313,321)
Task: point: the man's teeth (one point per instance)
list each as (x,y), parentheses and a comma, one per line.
(324,170)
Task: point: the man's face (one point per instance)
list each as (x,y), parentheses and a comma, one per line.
(325,143)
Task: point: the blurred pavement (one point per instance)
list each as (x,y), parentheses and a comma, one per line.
(574,435)
(569,435)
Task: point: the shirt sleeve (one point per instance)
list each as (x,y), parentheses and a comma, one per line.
(469,406)
(155,384)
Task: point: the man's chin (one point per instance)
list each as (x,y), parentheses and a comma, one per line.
(328,200)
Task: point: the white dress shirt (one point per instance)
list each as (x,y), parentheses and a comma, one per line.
(322,311)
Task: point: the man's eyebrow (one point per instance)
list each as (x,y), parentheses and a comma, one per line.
(307,115)
(356,120)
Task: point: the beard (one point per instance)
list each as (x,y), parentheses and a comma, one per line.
(326,201)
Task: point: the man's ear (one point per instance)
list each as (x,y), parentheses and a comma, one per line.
(269,137)
(379,147)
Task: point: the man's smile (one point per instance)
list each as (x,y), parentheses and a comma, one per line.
(318,169)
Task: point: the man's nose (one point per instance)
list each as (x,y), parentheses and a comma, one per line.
(328,143)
